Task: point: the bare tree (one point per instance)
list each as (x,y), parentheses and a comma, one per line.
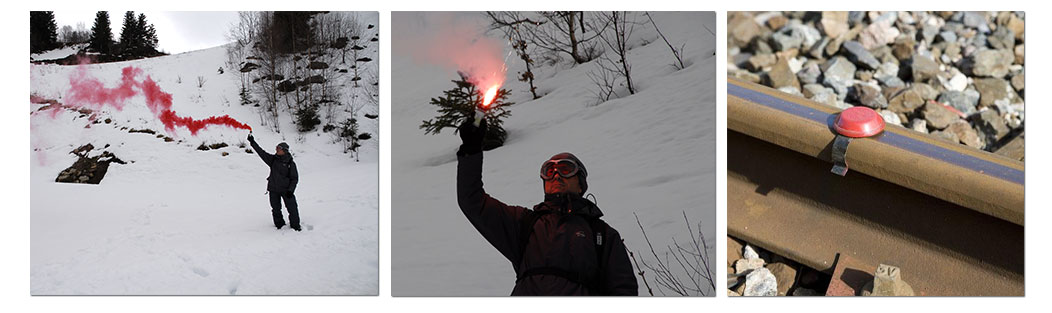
(513,31)
(684,268)
(623,24)
(557,32)
(677,53)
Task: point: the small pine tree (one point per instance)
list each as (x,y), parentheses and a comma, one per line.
(307,118)
(43,32)
(101,34)
(459,104)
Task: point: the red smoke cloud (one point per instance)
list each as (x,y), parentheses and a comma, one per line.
(87,91)
(455,40)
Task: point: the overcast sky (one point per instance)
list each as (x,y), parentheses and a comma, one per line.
(177,32)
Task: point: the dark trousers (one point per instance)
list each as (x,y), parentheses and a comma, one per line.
(290,203)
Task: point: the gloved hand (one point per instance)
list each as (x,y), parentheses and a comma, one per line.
(250,138)
(471,137)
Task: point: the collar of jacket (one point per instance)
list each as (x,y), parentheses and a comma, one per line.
(284,157)
(570,203)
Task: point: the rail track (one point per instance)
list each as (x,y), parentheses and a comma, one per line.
(951,217)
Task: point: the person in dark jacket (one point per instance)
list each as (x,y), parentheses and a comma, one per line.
(560,247)
(281,184)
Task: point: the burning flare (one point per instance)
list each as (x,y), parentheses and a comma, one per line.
(487,97)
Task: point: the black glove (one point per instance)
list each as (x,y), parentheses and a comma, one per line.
(250,138)
(471,137)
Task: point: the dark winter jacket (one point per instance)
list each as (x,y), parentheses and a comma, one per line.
(283,175)
(561,244)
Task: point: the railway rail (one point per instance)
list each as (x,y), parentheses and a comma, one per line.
(950,217)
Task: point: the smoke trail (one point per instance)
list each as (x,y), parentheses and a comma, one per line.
(88,91)
(453,40)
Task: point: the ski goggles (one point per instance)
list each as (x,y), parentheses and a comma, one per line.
(563,167)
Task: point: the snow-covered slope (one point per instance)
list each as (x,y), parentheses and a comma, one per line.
(652,153)
(57,53)
(177,220)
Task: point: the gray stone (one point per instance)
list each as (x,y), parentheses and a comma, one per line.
(923,67)
(938,116)
(990,63)
(810,90)
(958,100)
(838,74)
(886,71)
(749,253)
(992,90)
(894,82)
(976,20)
(818,49)
(1002,38)
(786,40)
(919,125)
(741,60)
(809,73)
(928,33)
(791,90)
(947,36)
(761,283)
(890,118)
(869,95)
(859,55)
(746,76)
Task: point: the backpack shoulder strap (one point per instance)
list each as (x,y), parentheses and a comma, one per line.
(526,231)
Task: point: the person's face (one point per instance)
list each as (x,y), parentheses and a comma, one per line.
(279,151)
(558,184)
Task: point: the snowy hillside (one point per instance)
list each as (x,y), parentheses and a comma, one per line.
(178,220)
(652,153)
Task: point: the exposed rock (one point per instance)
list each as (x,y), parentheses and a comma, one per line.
(878,34)
(757,62)
(905,101)
(938,116)
(1016,25)
(965,134)
(315,65)
(838,73)
(859,55)
(991,90)
(991,126)
(990,63)
(746,76)
(809,73)
(888,282)
(869,95)
(777,22)
(919,125)
(781,76)
(923,67)
(903,48)
(1019,54)
(761,283)
(958,100)
(890,118)
(1002,38)
(946,136)
(976,20)
(834,23)
(784,275)
(741,28)
(1018,82)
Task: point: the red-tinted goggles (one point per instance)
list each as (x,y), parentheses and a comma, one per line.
(563,167)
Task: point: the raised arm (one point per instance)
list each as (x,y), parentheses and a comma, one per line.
(267,157)
(496,221)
